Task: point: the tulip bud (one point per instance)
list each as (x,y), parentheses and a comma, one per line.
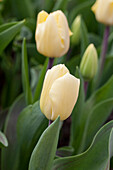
(59,93)
(89,63)
(103,10)
(52,34)
(76,30)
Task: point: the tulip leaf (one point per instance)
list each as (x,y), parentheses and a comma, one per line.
(31,124)
(32,52)
(25,75)
(96,157)
(40,82)
(10,131)
(44,152)
(79,8)
(84,37)
(3,140)
(95,112)
(3,27)
(7,35)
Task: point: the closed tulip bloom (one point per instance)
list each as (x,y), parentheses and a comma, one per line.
(103,10)
(52,34)
(59,93)
(89,63)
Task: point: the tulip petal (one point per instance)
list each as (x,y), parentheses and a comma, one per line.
(51,75)
(63,95)
(42,16)
(94,7)
(63,28)
(48,40)
(103,10)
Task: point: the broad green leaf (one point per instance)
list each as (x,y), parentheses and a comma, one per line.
(44,152)
(7,35)
(31,124)
(96,157)
(25,75)
(40,82)
(3,140)
(77,115)
(95,112)
(10,131)
(3,27)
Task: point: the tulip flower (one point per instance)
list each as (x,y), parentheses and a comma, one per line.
(59,93)
(103,10)
(89,63)
(52,34)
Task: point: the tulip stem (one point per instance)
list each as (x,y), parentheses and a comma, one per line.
(50,64)
(85,87)
(104,51)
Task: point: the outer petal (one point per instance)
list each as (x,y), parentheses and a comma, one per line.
(63,95)
(51,75)
(63,29)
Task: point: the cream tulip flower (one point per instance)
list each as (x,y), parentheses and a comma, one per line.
(59,93)
(52,34)
(103,10)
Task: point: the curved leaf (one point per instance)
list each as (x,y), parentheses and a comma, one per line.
(7,35)
(31,124)
(25,74)
(97,157)
(95,112)
(10,131)
(44,152)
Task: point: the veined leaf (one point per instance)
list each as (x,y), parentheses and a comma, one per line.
(7,35)
(25,74)
(44,152)
(95,112)
(96,157)
(10,131)
(31,124)
(40,82)
(3,27)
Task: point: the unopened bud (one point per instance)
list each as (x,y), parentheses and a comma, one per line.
(89,63)
(75,39)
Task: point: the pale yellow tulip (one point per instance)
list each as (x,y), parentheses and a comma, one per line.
(59,93)
(103,10)
(52,34)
